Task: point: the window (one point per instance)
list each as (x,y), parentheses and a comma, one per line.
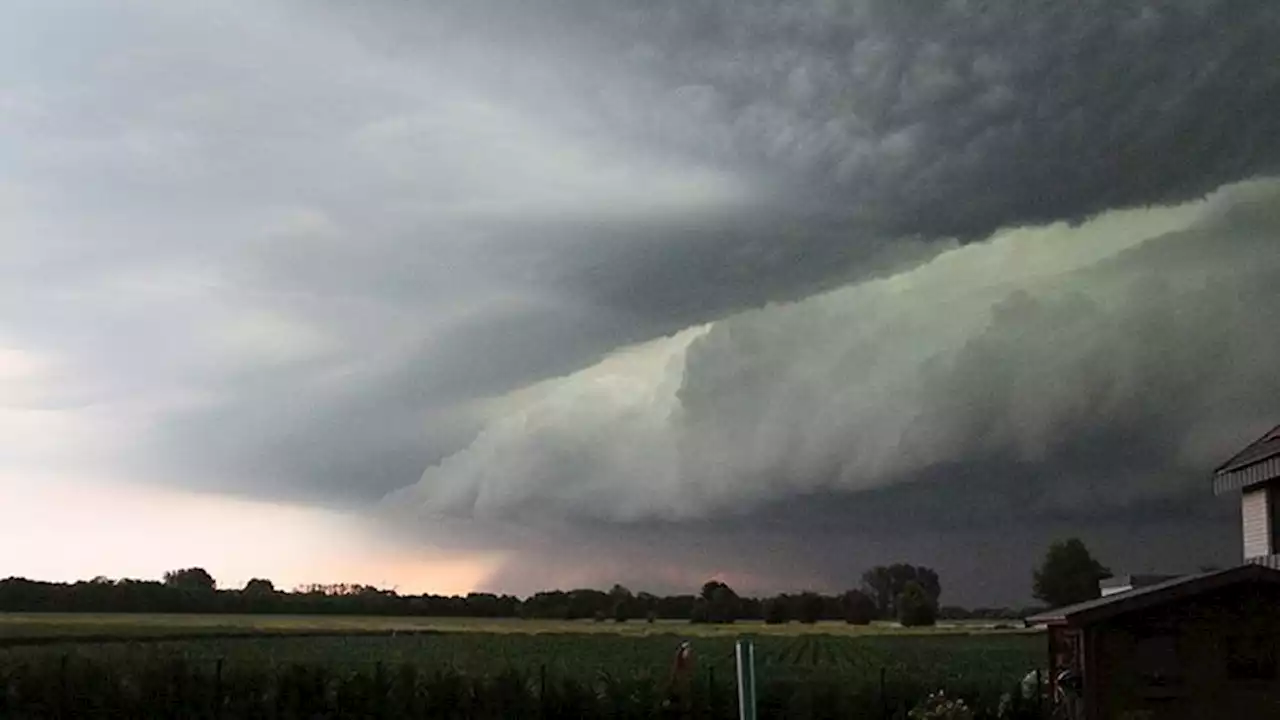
(1251,657)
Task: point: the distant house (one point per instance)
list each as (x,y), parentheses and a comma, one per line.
(1125,583)
(1199,646)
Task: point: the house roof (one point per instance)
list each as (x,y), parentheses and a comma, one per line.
(1134,580)
(1258,462)
(1104,608)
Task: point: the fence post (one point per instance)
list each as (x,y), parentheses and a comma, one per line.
(745,655)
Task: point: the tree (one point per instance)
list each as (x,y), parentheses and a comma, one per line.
(810,607)
(915,609)
(879,586)
(700,613)
(722,603)
(623,602)
(190,579)
(857,607)
(1068,575)
(775,611)
(621,612)
(259,587)
(885,583)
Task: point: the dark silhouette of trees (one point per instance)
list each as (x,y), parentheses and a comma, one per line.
(625,606)
(884,583)
(259,587)
(191,580)
(811,608)
(857,607)
(721,603)
(1069,574)
(777,610)
(193,590)
(915,608)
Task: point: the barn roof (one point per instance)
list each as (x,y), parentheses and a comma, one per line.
(1256,463)
(1104,608)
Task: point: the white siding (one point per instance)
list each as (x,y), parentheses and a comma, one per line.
(1256,522)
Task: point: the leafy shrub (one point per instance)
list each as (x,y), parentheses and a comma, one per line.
(937,706)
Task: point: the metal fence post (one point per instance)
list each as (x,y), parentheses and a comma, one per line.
(745,655)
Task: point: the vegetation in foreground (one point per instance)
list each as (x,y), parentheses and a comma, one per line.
(508,675)
(32,628)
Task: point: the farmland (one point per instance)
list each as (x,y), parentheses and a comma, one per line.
(18,626)
(841,663)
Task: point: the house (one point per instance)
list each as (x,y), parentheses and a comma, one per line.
(1125,583)
(1198,646)
(1255,472)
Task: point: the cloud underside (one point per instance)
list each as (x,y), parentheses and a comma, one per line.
(1058,371)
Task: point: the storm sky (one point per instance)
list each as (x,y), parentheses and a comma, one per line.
(448,294)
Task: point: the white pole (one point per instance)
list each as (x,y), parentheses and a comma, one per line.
(746,656)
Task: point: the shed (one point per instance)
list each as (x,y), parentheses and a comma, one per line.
(1199,646)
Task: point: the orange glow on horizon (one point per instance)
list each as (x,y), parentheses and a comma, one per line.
(53,529)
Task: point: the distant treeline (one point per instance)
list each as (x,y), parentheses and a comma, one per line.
(899,591)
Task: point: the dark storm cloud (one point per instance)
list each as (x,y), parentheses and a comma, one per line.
(305,250)
(947,117)
(860,123)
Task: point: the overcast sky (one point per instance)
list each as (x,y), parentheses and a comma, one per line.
(455,294)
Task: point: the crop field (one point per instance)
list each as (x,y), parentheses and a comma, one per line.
(800,669)
(17,626)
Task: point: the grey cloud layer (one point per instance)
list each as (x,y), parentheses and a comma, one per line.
(305,250)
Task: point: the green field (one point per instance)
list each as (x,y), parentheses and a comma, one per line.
(854,666)
(89,625)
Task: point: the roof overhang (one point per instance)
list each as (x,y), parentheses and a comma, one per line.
(1248,476)
(1104,608)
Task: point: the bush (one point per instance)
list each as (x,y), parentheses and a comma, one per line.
(938,707)
(915,609)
